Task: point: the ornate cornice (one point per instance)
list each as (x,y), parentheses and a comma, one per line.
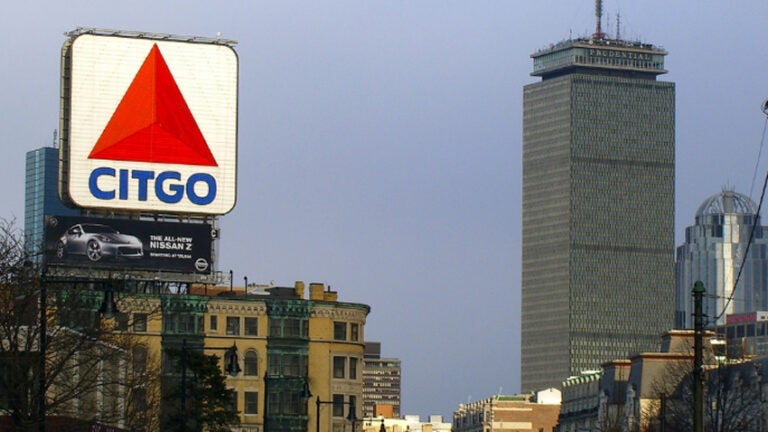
(189,304)
(237,307)
(339,313)
(292,308)
(140,304)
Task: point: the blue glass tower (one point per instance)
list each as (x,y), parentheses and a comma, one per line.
(41,197)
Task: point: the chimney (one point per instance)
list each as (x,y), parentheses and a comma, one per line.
(299,287)
(316,291)
(330,296)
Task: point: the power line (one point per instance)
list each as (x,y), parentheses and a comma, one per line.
(754,224)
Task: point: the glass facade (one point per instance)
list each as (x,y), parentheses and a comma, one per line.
(598,216)
(713,253)
(41,197)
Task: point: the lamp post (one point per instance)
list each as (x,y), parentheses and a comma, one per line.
(108,310)
(42,348)
(352,416)
(698,363)
(108,307)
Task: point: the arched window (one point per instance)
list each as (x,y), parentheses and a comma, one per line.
(251,363)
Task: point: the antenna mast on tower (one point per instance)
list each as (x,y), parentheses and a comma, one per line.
(599,17)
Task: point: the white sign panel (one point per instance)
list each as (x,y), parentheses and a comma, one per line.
(152,125)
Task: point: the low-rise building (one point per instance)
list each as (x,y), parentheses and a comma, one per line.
(509,413)
(300,360)
(745,335)
(632,394)
(381,383)
(580,403)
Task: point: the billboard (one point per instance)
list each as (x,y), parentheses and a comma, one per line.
(149,123)
(89,242)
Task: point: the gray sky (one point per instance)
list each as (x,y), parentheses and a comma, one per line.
(380,147)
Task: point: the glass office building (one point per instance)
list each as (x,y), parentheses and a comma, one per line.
(598,207)
(41,197)
(714,253)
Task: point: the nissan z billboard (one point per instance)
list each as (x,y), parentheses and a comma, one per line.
(81,241)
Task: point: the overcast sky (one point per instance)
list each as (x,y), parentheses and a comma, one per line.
(380,147)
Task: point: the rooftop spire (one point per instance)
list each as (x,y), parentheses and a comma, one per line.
(599,17)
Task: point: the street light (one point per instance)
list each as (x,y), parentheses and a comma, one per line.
(108,309)
(42,348)
(108,306)
(351,416)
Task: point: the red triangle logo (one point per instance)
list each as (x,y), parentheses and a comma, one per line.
(153,123)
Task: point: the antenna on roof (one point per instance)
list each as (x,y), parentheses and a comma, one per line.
(599,17)
(55,141)
(618,25)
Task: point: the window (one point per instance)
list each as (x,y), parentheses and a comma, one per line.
(213,324)
(340,330)
(286,402)
(352,368)
(251,402)
(251,326)
(139,399)
(121,321)
(354,330)
(291,365)
(291,327)
(338,367)
(233,326)
(288,327)
(274,403)
(232,399)
(275,327)
(338,405)
(251,364)
(139,359)
(353,404)
(291,404)
(186,323)
(287,364)
(139,323)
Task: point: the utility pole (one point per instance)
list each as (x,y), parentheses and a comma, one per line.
(41,407)
(698,357)
(183,422)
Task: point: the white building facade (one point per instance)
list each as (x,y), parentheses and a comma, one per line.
(714,253)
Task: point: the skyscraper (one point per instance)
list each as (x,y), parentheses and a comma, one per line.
(598,206)
(41,197)
(713,252)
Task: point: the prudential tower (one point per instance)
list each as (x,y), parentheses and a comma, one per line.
(598,206)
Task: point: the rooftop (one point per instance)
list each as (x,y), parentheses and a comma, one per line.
(603,54)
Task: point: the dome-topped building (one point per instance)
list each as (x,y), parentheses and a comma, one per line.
(714,252)
(726,202)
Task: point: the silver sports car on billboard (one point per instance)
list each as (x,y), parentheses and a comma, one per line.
(97,241)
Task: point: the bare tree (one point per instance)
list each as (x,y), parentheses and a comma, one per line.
(84,377)
(731,398)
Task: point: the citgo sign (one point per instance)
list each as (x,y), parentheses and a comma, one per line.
(150,124)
